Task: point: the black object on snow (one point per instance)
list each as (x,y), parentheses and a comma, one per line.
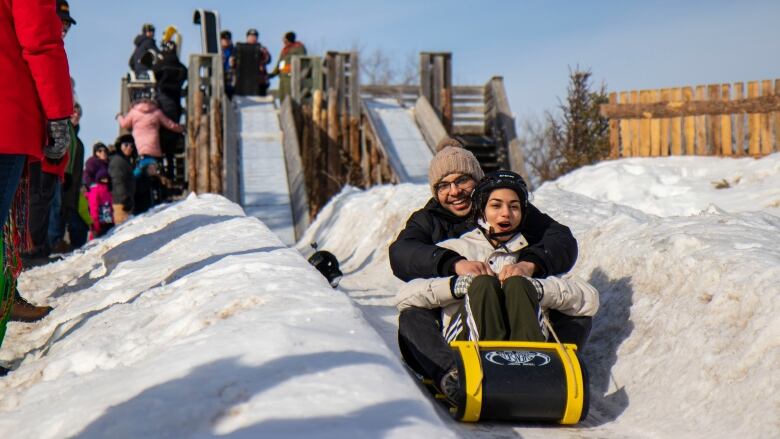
(327,264)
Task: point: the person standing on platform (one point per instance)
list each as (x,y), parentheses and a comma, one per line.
(228,61)
(283,68)
(251,60)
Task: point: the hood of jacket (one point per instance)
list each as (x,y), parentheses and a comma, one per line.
(145,107)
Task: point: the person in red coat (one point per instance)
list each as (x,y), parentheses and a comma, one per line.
(47,175)
(35,106)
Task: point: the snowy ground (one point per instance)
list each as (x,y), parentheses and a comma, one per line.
(196,321)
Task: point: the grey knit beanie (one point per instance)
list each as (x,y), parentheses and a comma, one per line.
(453,160)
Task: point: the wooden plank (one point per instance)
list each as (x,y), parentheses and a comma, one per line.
(666,95)
(438,85)
(676,125)
(469,90)
(689,125)
(458,109)
(333,165)
(354,85)
(614,133)
(655,127)
(739,121)
(756,104)
(725,123)
(777,118)
(754,123)
(425,75)
(713,121)
(766,120)
(467,99)
(625,130)
(299,201)
(430,125)
(215,144)
(701,124)
(468,130)
(635,127)
(389,90)
(478,118)
(645,97)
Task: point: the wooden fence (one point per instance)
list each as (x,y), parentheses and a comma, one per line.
(715,119)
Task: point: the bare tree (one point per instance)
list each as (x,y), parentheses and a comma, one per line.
(381,68)
(377,68)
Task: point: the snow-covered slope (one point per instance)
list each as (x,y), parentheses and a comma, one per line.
(687,340)
(196,321)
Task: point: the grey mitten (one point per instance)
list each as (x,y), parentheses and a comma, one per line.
(459,286)
(59,138)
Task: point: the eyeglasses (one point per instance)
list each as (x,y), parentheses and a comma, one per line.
(461,182)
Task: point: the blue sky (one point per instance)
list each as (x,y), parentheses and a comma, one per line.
(628,45)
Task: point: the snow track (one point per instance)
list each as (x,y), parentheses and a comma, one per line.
(265,193)
(407,151)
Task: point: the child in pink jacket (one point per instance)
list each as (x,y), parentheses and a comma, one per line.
(100,205)
(145,119)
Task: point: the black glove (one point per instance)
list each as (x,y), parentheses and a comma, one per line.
(59,139)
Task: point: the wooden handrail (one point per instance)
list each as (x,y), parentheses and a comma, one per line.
(761,104)
(430,125)
(299,199)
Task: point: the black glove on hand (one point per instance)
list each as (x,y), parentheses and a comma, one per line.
(59,139)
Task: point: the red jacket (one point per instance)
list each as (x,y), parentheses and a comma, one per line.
(34,73)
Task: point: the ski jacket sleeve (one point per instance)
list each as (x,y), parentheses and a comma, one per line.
(552,247)
(38,30)
(414,254)
(425,293)
(167,123)
(126,121)
(570,295)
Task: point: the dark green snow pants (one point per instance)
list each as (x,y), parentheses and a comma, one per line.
(510,312)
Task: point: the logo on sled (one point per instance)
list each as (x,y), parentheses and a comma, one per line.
(517,358)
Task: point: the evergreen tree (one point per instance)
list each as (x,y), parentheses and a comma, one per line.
(576,138)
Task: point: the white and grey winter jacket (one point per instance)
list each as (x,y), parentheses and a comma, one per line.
(568,294)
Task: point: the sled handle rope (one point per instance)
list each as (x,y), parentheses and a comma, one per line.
(565,353)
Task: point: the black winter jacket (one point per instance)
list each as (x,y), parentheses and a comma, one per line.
(170,74)
(122,180)
(143,44)
(414,254)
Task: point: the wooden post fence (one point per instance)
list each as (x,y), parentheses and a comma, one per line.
(714,119)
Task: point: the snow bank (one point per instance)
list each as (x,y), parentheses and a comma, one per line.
(681,186)
(195,321)
(687,340)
